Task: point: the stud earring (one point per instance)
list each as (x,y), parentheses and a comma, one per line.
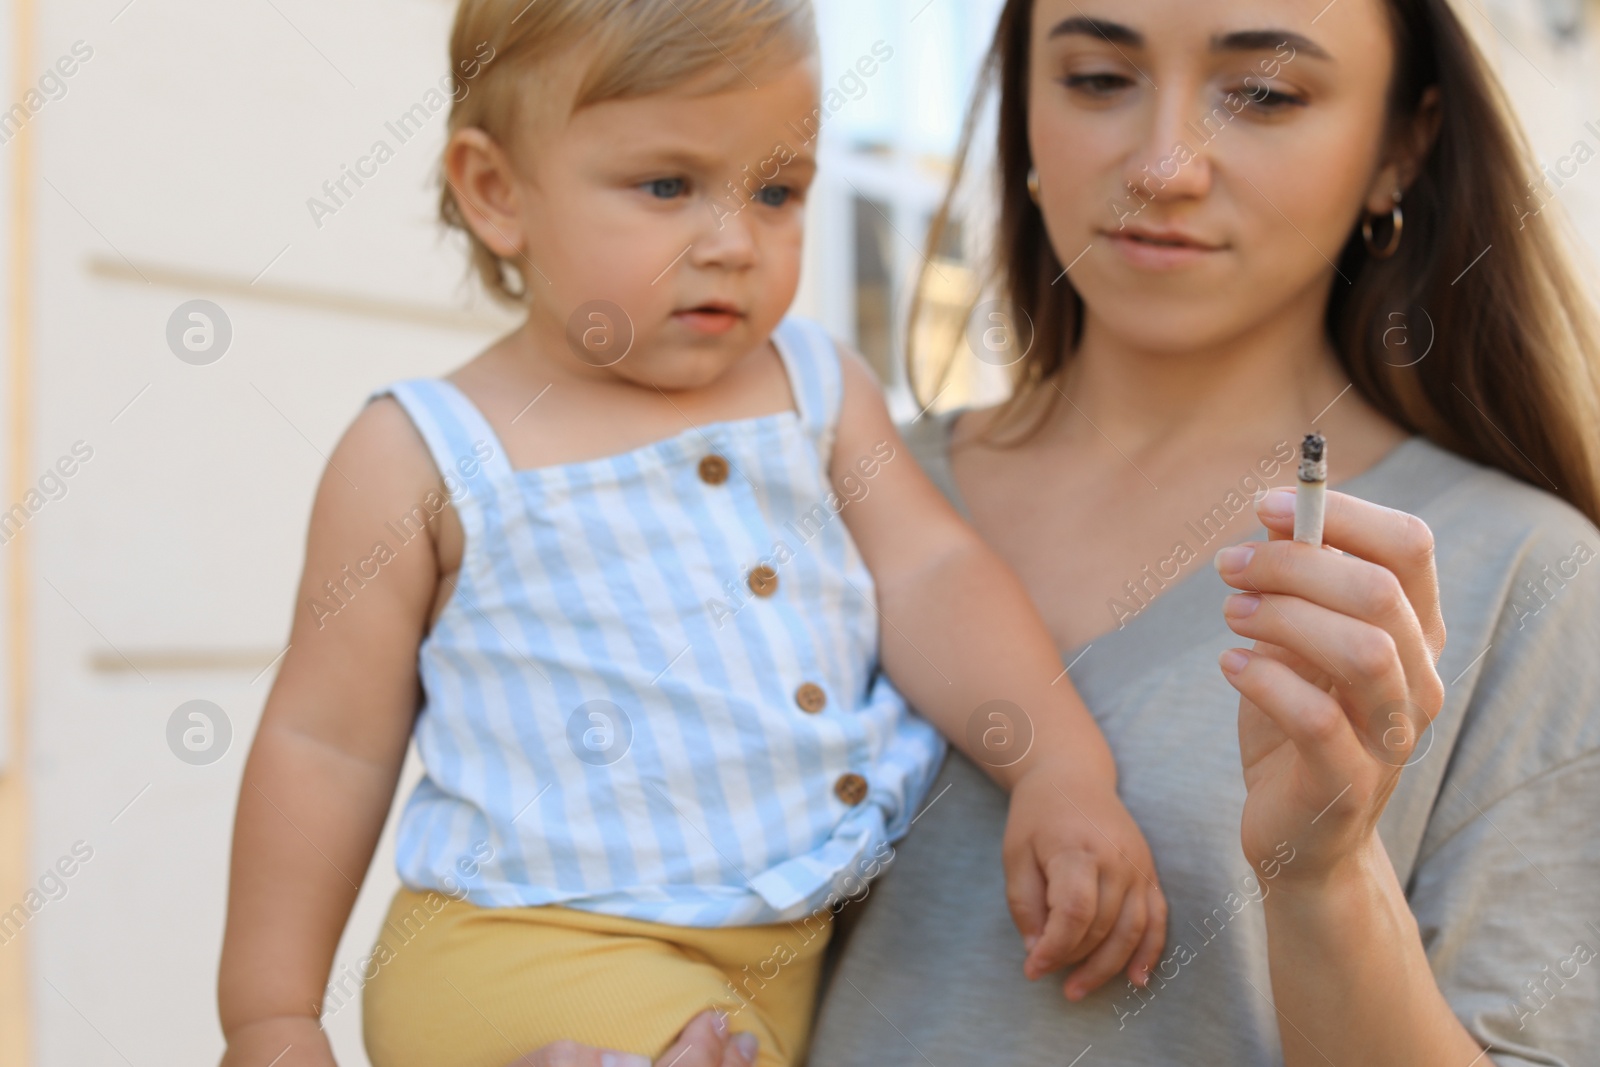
(1033,184)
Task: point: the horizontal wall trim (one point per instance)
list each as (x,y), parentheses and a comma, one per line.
(108,661)
(301,296)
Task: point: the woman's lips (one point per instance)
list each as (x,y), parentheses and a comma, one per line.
(708,320)
(1151,253)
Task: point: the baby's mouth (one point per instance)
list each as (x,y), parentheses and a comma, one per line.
(709,318)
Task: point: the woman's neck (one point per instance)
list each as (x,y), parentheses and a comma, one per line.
(1240,388)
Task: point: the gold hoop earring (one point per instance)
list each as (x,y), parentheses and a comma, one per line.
(1397,223)
(1033,184)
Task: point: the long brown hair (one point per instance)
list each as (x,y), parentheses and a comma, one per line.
(1512,379)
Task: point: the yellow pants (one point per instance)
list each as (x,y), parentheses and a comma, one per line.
(457,985)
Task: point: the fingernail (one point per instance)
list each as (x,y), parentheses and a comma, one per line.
(1233,660)
(1279,503)
(1029,941)
(1074,992)
(1241,605)
(719,1020)
(1234,558)
(747,1046)
(623,1059)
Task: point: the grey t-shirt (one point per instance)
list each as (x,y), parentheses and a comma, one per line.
(1494,828)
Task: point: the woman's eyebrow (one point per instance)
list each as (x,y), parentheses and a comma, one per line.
(1267,41)
(1084,26)
(1116,33)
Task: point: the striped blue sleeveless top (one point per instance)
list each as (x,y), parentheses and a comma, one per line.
(654,690)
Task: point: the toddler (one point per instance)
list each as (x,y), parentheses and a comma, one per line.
(646,581)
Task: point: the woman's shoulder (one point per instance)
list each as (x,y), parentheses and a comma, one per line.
(1486,523)
(1519,584)
(1518,566)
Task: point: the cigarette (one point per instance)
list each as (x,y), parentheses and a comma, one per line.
(1312,495)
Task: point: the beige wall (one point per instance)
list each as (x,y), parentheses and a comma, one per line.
(1555,87)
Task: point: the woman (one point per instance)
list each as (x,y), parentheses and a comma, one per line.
(1224,224)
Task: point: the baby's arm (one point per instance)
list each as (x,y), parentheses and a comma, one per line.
(326,758)
(959,631)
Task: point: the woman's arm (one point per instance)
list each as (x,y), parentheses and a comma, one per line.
(1351,944)
(322,770)
(1334,695)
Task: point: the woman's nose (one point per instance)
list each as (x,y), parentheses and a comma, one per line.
(1171,157)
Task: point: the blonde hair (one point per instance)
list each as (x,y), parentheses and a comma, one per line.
(632,47)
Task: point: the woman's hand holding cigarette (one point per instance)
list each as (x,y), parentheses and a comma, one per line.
(1340,683)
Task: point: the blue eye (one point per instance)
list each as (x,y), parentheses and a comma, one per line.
(774,195)
(666,188)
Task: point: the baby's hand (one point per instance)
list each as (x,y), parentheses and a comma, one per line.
(1080,881)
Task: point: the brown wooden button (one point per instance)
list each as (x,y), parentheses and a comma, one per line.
(763,580)
(713,470)
(850,788)
(810,697)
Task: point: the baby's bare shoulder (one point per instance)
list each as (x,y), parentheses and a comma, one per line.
(379,471)
(381,466)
